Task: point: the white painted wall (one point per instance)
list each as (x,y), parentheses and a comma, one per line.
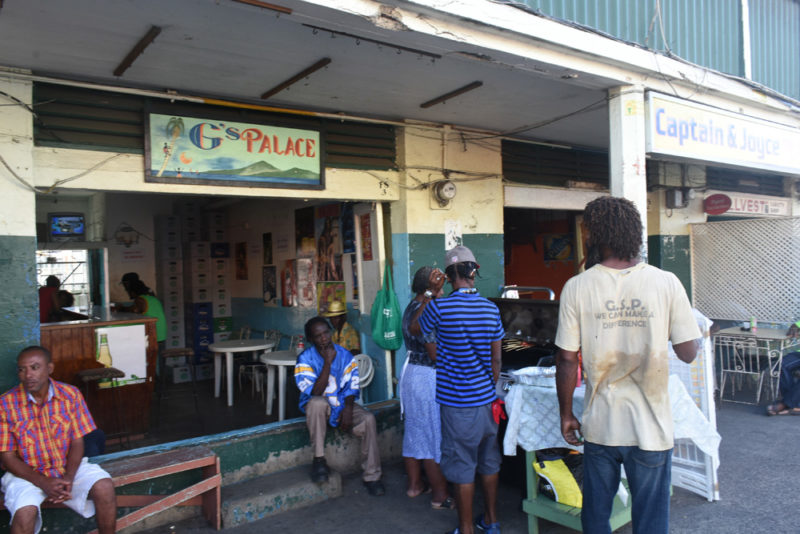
(17,217)
(478,204)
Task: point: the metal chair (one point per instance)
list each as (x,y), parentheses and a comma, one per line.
(740,363)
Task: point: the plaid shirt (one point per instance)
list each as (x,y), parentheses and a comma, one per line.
(41,434)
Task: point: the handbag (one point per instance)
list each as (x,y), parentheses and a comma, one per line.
(387,321)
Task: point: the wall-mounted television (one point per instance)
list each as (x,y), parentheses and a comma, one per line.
(66,226)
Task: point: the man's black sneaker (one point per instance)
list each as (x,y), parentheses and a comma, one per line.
(319,470)
(375,488)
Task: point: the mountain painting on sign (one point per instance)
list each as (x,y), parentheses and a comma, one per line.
(192,150)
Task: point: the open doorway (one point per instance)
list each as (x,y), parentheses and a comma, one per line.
(541,248)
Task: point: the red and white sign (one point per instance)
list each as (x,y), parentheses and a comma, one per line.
(717,204)
(740,204)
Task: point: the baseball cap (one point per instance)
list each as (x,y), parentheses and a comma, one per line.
(459,254)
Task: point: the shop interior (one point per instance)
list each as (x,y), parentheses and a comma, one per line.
(276,263)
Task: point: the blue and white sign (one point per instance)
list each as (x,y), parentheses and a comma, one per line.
(689,130)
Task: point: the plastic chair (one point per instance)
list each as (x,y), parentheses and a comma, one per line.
(366,371)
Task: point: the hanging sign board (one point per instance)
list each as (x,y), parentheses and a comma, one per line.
(716,204)
(193,150)
(688,130)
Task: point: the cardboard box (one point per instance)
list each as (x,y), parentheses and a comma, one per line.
(177,341)
(199,249)
(220,250)
(174,361)
(204,371)
(222,336)
(223,324)
(180,374)
(222,308)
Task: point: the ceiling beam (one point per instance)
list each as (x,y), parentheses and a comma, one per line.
(451,94)
(137,50)
(297,77)
(265,5)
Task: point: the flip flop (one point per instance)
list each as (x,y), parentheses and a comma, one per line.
(447,504)
(772,409)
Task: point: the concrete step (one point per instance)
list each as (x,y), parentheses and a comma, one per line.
(276,493)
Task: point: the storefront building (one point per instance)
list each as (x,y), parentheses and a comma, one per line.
(433,124)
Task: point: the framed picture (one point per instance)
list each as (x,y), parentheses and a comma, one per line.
(329,292)
(189,149)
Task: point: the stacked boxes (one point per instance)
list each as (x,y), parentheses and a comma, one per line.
(169,277)
(199,309)
(194,280)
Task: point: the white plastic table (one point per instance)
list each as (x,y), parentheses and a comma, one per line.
(280,359)
(228,348)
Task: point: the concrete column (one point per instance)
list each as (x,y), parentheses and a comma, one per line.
(626,153)
(19,320)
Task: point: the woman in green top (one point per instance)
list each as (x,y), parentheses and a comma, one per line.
(145,303)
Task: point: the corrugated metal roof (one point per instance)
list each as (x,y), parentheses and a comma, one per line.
(775,43)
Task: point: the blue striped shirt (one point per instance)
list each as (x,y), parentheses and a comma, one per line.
(466,325)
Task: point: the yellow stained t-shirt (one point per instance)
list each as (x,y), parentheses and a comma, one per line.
(621,320)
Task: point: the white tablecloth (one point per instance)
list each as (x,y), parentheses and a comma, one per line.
(534,422)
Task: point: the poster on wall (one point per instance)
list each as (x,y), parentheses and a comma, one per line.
(348,229)
(269,288)
(326,230)
(328,293)
(240,253)
(124,348)
(354,267)
(366,237)
(558,247)
(305,282)
(187,149)
(304,232)
(288,285)
(266,244)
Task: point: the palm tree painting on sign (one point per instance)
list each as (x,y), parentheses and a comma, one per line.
(174,129)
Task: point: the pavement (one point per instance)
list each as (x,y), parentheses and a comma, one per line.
(759,479)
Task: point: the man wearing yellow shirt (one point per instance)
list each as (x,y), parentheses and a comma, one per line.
(343,334)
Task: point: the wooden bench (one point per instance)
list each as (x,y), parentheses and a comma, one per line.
(206,493)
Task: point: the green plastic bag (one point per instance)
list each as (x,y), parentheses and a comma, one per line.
(387,321)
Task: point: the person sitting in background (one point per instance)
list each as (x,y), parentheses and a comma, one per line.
(48,299)
(343,334)
(422,434)
(327,377)
(789,380)
(145,303)
(42,428)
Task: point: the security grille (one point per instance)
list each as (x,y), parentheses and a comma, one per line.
(747,268)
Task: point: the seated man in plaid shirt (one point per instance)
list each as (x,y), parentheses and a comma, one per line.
(42,424)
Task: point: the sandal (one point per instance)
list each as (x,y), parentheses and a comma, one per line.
(780,408)
(447,504)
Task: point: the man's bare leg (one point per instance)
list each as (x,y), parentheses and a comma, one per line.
(105,504)
(489,484)
(464,495)
(24,521)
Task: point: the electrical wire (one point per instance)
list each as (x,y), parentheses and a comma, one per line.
(57,183)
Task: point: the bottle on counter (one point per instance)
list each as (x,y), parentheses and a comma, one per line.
(103,352)
(301,346)
(753,324)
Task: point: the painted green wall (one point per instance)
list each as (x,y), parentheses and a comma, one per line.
(672,253)
(428,249)
(19,303)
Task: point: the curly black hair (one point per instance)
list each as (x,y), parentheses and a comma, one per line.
(310,325)
(614,223)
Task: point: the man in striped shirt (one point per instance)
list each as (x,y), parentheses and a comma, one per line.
(469,335)
(42,424)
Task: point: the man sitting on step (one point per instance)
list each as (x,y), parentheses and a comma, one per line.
(327,376)
(43,423)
